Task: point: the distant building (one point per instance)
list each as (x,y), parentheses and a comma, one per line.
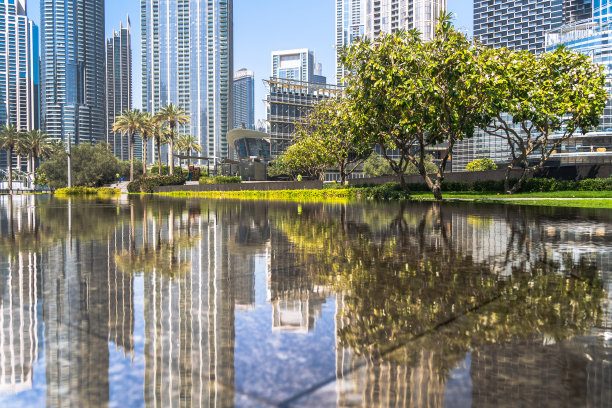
(73,95)
(390,16)
(244,99)
(19,83)
(289,101)
(119,89)
(297,65)
(350,26)
(187,60)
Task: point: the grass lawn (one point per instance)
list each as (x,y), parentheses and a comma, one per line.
(555,194)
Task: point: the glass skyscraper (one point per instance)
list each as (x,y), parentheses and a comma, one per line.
(119,89)
(389,16)
(516,24)
(244,99)
(19,100)
(73,95)
(298,65)
(187,60)
(350,26)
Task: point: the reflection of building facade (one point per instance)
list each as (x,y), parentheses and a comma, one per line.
(18,322)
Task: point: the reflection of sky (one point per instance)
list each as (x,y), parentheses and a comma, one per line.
(126,377)
(280,363)
(458,391)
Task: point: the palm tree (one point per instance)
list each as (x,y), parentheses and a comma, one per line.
(147,130)
(21,150)
(189,143)
(38,146)
(160,136)
(9,140)
(128,124)
(173,116)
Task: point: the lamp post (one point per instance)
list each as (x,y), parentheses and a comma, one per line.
(69,161)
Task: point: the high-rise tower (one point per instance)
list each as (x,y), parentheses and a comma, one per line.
(19,101)
(119,89)
(187,60)
(350,26)
(389,16)
(244,99)
(73,94)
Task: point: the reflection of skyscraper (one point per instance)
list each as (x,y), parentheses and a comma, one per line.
(189,324)
(18,323)
(296,300)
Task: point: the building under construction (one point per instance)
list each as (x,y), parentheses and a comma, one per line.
(289,102)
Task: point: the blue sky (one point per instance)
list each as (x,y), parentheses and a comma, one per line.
(260,27)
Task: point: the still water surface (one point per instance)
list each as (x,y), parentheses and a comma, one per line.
(171,302)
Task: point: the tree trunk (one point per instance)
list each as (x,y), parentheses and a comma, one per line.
(132,157)
(172,152)
(159,163)
(34,169)
(9,153)
(144,158)
(403,184)
(188,158)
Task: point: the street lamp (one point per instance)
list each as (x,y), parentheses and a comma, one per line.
(69,160)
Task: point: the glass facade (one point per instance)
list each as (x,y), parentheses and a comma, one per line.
(350,26)
(73,95)
(244,99)
(187,60)
(297,65)
(289,102)
(18,69)
(389,16)
(119,90)
(516,24)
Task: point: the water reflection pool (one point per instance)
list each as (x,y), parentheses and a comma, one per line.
(172,302)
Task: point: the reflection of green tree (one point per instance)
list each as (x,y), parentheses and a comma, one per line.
(410,288)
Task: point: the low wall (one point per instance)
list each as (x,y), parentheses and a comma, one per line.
(560,173)
(248,186)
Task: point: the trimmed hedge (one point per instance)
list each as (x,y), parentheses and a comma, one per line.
(220,180)
(532,185)
(87,191)
(148,184)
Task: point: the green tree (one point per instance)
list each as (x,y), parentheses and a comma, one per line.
(188,144)
(92,166)
(408,96)
(10,139)
(129,123)
(376,166)
(485,164)
(160,132)
(173,116)
(306,157)
(330,125)
(537,102)
(146,130)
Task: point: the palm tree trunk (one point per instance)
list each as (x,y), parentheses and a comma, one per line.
(159,156)
(9,153)
(144,158)
(132,157)
(188,158)
(172,152)
(34,167)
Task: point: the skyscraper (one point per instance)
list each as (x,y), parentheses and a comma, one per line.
(18,68)
(517,25)
(119,89)
(389,16)
(244,99)
(187,60)
(73,95)
(299,65)
(350,25)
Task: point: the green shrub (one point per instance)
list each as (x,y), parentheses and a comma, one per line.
(481,165)
(388,191)
(148,184)
(220,180)
(87,191)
